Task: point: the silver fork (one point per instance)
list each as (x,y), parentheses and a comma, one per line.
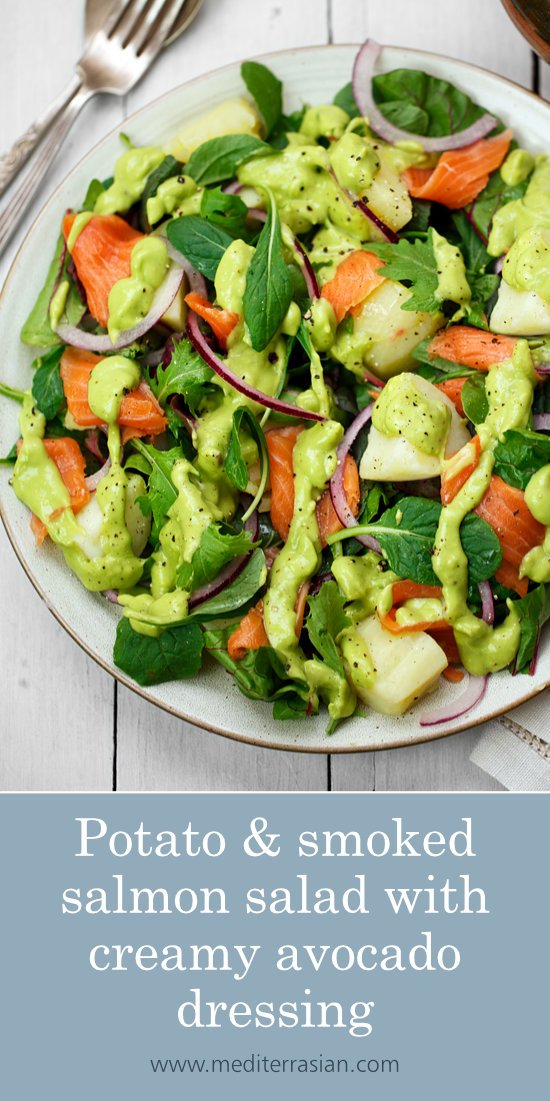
(114,59)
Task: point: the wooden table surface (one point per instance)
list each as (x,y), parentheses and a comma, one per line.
(64,723)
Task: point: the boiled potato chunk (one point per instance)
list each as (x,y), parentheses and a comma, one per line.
(395,459)
(407,666)
(520,313)
(392,331)
(234,116)
(388,197)
(176,314)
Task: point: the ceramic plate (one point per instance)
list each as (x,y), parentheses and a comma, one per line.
(212,700)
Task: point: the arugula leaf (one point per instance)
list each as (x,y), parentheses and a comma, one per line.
(471,245)
(534,611)
(235,466)
(214,551)
(201,242)
(10,458)
(496,194)
(474,399)
(266,89)
(227,211)
(520,454)
(95,189)
(186,374)
(219,158)
(268,290)
(423,104)
(346,100)
(242,589)
(161,492)
(165,170)
(174,655)
(413,262)
(260,675)
(406,532)
(37,330)
(47,385)
(325,621)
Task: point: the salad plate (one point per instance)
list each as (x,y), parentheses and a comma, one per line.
(310,75)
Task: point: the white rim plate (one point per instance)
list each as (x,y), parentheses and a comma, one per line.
(212,700)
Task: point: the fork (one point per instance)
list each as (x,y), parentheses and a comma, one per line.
(114,59)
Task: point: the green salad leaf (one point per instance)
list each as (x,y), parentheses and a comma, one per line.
(423,104)
(260,675)
(226,211)
(533,611)
(325,621)
(161,492)
(406,532)
(215,550)
(239,592)
(496,194)
(235,465)
(414,263)
(47,385)
(176,653)
(474,399)
(201,242)
(219,158)
(267,91)
(186,374)
(346,100)
(165,170)
(519,454)
(37,330)
(268,290)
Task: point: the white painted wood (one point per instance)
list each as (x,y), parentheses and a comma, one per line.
(57,716)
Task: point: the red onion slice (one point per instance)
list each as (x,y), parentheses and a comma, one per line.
(472,695)
(111,595)
(541,421)
(91,442)
(218,365)
(307,271)
(175,403)
(363,72)
(257,214)
(93,480)
(373,380)
(336,485)
(92,342)
(543,368)
(487,602)
(232,188)
(197,281)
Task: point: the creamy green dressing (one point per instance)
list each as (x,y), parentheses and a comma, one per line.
(130,177)
(536,563)
(403,410)
(452,284)
(130,299)
(325,121)
(532,210)
(483,648)
(170,197)
(80,223)
(527,265)
(314,461)
(58,303)
(517,166)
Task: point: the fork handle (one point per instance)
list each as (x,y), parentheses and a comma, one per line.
(24,194)
(12,162)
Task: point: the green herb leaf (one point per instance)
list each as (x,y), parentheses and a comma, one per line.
(260,675)
(413,262)
(520,454)
(406,532)
(95,189)
(240,592)
(175,655)
(346,100)
(496,194)
(474,399)
(266,89)
(219,158)
(325,621)
(227,211)
(423,104)
(235,466)
(201,242)
(37,330)
(165,170)
(161,492)
(534,611)
(47,385)
(186,374)
(214,551)
(268,290)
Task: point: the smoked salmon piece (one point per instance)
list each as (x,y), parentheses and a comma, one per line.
(504,508)
(139,409)
(471,347)
(101,255)
(460,174)
(354,279)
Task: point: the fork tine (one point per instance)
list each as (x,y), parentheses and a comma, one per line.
(114,16)
(129,21)
(155,32)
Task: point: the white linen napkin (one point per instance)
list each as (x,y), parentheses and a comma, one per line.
(515,749)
